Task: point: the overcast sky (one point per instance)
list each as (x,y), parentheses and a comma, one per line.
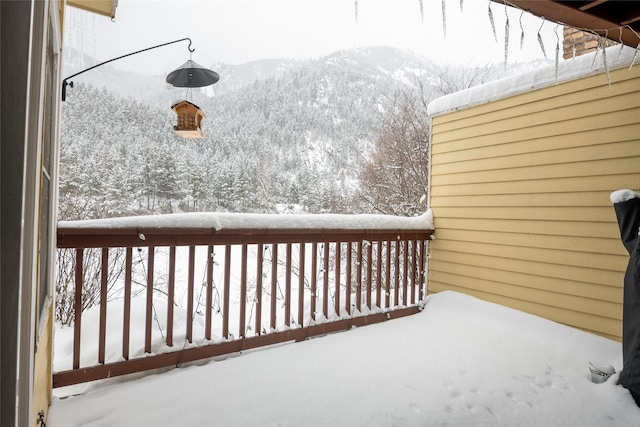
(235,32)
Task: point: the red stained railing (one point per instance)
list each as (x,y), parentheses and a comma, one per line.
(270,286)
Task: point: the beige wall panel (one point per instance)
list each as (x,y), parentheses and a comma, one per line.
(520,195)
(570,244)
(623,81)
(500,285)
(535,280)
(549,256)
(488,147)
(581,199)
(607,166)
(561,185)
(554,228)
(567,156)
(595,214)
(588,322)
(466,137)
(600,284)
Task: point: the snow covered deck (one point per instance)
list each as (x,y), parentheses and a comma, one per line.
(460,362)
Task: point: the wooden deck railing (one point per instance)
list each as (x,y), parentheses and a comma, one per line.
(260,286)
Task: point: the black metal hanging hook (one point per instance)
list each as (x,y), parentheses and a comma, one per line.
(66,83)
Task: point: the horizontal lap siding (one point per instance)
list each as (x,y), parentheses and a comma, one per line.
(520,195)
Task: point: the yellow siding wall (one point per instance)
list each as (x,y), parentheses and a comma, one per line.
(520,196)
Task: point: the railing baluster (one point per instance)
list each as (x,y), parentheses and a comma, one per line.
(126,316)
(369,271)
(287,287)
(347,301)
(314,279)
(423,259)
(242,327)
(149,314)
(208,313)
(414,264)
(77,313)
(301,262)
(274,284)
(325,281)
(170,294)
(387,276)
(405,273)
(396,275)
(190,285)
(379,274)
(337,284)
(359,277)
(260,256)
(103,305)
(227,291)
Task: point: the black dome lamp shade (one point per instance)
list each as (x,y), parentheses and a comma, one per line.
(191,74)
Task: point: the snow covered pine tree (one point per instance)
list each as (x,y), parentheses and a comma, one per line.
(627,206)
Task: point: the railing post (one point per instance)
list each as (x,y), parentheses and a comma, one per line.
(301,261)
(126,323)
(359,277)
(209,301)
(405,273)
(347,301)
(325,280)
(227,291)
(369,272)
(274,284)
(259,267)
(396,274)
(287,287)
(190,285)
(379,274)
(337,280)
(77,313)
(387,276)
(103,305)
(170,294)
(243,294)
(314,279)
(149,316)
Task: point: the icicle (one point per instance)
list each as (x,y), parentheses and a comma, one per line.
(493,25)
(506,36)
(621,43)
(521,31)
(421,10)
(444,17)
(635,54)
(555,30)
(356,5)
(461,1)
(593,63)
(604,58)
(540,42)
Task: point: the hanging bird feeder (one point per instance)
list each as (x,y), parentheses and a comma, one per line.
(190,75)
(189,118)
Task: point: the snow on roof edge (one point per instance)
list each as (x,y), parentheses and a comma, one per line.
(219,221)
(568,70)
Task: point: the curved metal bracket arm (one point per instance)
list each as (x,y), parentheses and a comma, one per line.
(66,83)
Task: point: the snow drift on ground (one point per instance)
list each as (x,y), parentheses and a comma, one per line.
(461,361)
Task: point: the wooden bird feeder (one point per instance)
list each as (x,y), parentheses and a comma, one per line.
(189,118)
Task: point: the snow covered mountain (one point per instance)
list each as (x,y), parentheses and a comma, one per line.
(279,134)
